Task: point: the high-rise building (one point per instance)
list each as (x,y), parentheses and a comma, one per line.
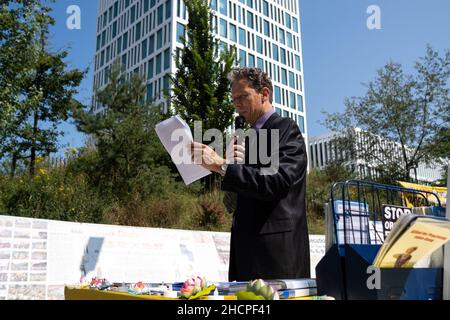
(145,34)
(325,149)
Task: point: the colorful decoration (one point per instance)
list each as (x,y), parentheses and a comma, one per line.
(258,290)
(194,288)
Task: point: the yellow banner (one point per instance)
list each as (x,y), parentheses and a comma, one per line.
(413,200)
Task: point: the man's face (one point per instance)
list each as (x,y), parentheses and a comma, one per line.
(247,101)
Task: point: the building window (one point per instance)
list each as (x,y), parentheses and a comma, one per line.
(250,3)
(292,100)
(291,80)
(160,16)
(287,20)
(251,60)
(116,9)
(266,8)
(282,56)
(166,82)
(223,28)
(249,19)
(283,76)
(223,7)
(158,64)
(266,28)
(297,63)
(132,14)
(168,9)
(278,110)
(180,32)
(277,94)
(233,36)
(260,63)
(259,44)
(159,35)
(151,44)
(242,58)
(282,36)
(301,123)
(137,35)
(114,29)
(295,24)
(150,69)
(144,49)
(275,52)
(213,5)
(300,103)
(119,45)
(167,59)
(286,114)
(289,39)
(150,92)
(125,41)
(103,38)
(124,61)
(242,37)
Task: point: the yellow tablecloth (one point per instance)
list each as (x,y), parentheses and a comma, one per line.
(72,293)
(89,294)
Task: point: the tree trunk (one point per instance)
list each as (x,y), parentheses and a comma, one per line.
(33,146)
(13,164)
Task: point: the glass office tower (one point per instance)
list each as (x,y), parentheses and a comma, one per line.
(145,34)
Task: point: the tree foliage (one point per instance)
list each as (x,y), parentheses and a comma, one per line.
(43,95)
(126,145)
(319,183)
(201,90)
(412,111)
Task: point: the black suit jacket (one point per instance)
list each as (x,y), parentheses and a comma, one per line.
(269,236)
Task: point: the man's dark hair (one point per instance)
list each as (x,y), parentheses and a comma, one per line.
(256,78)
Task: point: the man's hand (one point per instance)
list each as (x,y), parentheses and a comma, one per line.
(235,152)
(206,157)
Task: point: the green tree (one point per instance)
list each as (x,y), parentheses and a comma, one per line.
(412,111)
(201,90)
(319,183)
(17,29)
(126,147)
(44,99)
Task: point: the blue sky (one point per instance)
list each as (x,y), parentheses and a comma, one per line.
(339,51)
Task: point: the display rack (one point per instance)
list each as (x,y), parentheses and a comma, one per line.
(354,236)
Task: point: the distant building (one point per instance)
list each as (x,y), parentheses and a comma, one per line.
(323,150)
(144,36)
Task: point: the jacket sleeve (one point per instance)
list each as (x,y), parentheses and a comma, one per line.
(251,182)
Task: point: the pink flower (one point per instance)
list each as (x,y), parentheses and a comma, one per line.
(192,286)
(140,285)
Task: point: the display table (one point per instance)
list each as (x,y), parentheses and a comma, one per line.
(71,293)
(91,294)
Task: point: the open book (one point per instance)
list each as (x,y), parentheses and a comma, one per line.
(412,238)
(176,136)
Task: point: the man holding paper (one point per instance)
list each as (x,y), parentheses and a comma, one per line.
(269,236)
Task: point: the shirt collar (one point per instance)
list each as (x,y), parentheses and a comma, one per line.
(262,120)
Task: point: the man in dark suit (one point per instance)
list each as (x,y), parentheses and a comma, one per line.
(269,236)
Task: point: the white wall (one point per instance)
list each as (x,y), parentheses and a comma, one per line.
(37,257)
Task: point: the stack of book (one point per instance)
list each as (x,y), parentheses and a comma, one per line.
(294,288)
(287,288)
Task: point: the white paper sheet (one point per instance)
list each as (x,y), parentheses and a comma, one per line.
(176,136)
